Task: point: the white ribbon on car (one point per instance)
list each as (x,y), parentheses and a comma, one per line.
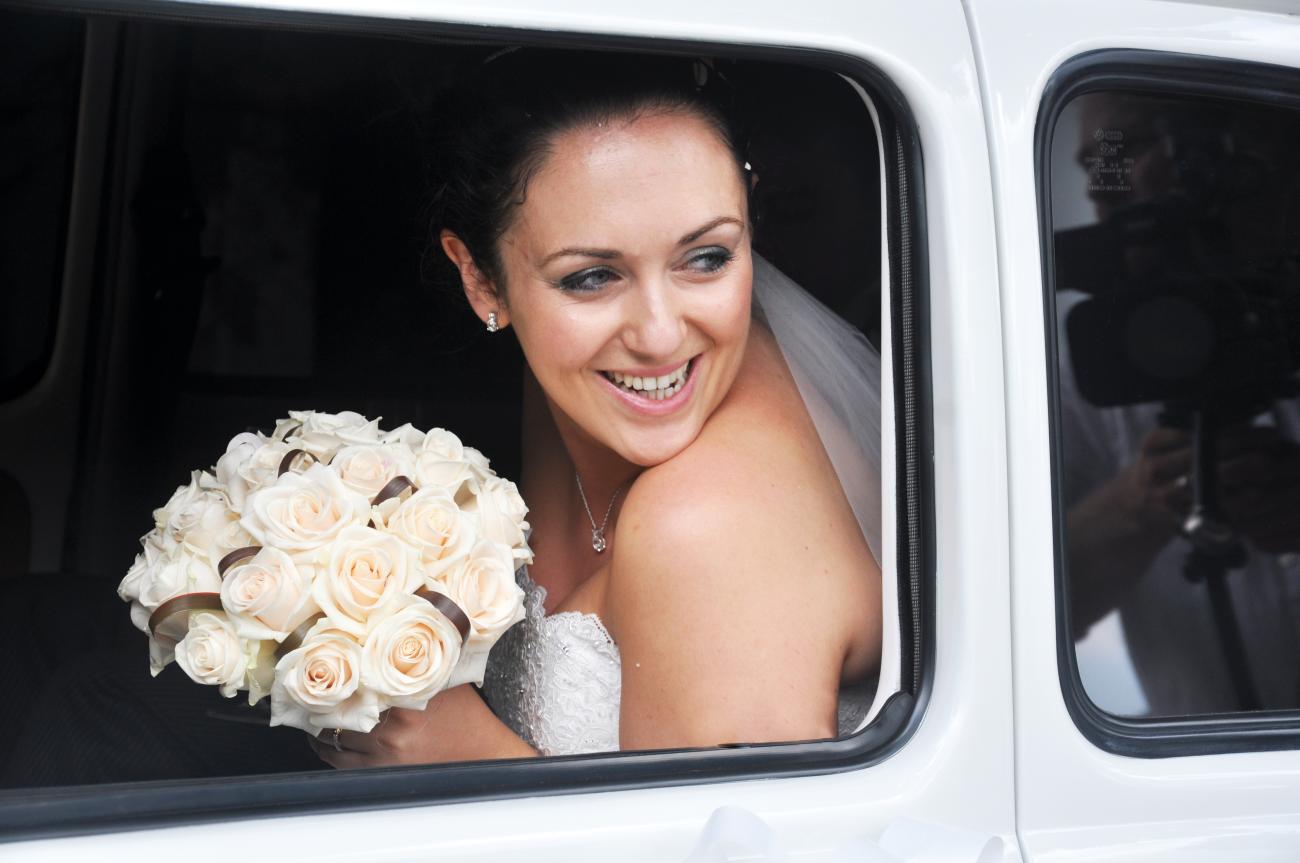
(736,834)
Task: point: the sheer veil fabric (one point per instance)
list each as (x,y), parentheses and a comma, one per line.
(838,375)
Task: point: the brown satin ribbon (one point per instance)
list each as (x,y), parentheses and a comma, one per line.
(449,608)
(287,461)
(395,487)
(293,640)
(182,604)
(239,555)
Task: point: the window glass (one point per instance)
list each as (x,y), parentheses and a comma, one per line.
(40,65)
(1176,243)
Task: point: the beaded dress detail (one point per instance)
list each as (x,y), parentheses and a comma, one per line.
(556,680)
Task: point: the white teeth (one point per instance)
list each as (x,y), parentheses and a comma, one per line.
(653,388)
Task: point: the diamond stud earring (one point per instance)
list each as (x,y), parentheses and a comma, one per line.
(492,326)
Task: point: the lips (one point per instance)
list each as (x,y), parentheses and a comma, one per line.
(653,388)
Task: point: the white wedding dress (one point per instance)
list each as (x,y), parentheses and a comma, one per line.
(556,679)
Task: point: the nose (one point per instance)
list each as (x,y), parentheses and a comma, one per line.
(655,327)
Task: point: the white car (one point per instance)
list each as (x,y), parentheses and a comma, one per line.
(963,141)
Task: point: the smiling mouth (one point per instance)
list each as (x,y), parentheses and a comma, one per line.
(653,388)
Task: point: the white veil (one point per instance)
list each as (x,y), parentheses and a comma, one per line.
(838,374)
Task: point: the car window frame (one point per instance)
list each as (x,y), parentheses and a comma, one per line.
(32,813)
(1164,74)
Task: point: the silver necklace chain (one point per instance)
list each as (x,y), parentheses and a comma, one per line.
(597,533)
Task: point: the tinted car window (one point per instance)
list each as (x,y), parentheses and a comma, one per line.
(1177,270)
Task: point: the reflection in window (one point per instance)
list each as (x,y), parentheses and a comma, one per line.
(1177,248)
(1177,254)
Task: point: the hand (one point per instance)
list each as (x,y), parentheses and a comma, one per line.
(1156,487)
(454,726)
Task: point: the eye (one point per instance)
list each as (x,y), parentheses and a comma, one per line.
(709,260)
(587,281)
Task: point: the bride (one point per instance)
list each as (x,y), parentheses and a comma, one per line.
(704,498)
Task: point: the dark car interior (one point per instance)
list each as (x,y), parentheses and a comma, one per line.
(205,225)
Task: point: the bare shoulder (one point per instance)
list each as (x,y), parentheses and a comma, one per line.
(743,548)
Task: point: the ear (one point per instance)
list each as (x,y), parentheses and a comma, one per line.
(479,290)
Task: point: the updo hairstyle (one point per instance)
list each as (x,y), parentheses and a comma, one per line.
(495,131)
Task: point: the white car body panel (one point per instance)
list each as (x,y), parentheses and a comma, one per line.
(1076,802)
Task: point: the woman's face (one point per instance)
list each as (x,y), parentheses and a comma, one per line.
(628,278)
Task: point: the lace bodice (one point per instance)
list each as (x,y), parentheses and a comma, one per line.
(557,682)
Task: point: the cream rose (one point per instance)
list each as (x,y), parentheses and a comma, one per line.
(485,589)
(187,506)
(318,685)
(267,597)
(303,512)
(211,653)
(366,569)
(250,462)
(502,513)
(180,572)
(432,523)
(323,434)
(432,470)
(409,656)
(407,435)
(367,469)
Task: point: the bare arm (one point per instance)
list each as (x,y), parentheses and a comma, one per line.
(731,623)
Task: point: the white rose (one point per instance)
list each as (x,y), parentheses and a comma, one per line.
(409,657)
(367,469)
(318,685)
(177,573)
(157,549)
(207,525)
(479,462)
(212,654)
(434,471)
(432,523)
(366,569)
(443,445)
(303,512)
(485,589)
(323,434)
(267,597)
(177,513)
(251,462)
(501,513)
(407,435)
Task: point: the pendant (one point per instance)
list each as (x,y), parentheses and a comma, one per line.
(598,540)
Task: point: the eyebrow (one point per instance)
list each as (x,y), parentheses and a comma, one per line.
(612,254)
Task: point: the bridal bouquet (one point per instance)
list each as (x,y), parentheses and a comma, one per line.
(337,567)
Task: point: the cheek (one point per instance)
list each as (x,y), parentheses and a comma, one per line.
(558,343)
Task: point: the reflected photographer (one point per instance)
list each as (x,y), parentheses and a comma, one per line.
(1179,321)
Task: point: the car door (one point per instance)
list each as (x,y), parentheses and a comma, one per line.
(939,750)
(1136,141)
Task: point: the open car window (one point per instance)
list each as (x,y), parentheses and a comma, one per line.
(262,191)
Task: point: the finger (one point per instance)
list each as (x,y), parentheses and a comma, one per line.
(356,741)
(341,760)
(1169,466)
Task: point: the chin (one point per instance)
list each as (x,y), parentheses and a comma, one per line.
(650,450)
